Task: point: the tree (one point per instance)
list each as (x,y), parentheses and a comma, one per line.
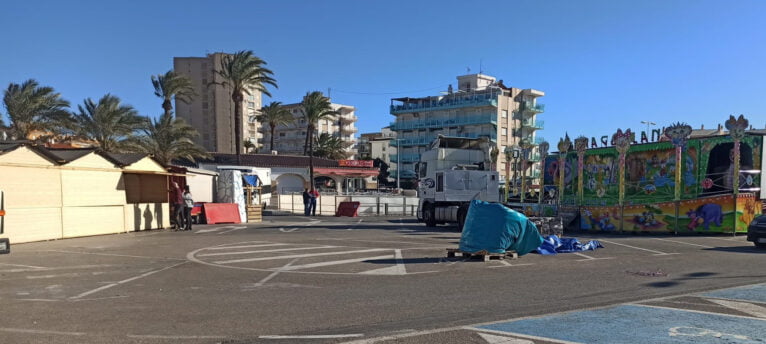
(275,114)
(242,72)
(383,171)
(493,153)
(249,146)
(170,85)
(167,139)
(31,107)
(107,122)
(330,147)
(315,107)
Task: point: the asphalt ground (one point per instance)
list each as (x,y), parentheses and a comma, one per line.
(294,279)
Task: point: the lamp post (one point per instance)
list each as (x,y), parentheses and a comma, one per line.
(398,165)
(516,152)
(526,147)
(543,154)
(648,126)
(508,154)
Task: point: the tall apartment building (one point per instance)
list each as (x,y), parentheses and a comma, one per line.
(291,139)
(480,107)
(212,111)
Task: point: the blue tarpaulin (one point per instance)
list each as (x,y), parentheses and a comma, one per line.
(494,228)
(251,179)
(553,244)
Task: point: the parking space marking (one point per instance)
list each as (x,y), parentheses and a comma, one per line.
(265,251)
(275,273)
(745,307)
(587,257)
(334,262)
(299,256)
(321,336)
(23,330)
(755,293)
(657,253)
(685,243)
(124,281)
(552,340)
(243,246)
(24,266)
(113,255)
(157,336)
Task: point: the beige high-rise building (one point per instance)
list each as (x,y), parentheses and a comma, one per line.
(212,111)
(481,106)
(291,139)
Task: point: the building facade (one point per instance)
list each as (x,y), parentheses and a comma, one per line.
(480,107)
(211,112)
(291,138)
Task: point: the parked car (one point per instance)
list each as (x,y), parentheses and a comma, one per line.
(756,232)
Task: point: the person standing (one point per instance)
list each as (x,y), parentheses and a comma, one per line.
(188,205)
(313,195)
(306,202)
(177,197)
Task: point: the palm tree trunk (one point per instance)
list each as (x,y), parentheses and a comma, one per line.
(306,144)
(310,135)
(273,127)
(237,98)
(167,106)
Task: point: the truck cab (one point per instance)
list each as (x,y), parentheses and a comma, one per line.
(452,173)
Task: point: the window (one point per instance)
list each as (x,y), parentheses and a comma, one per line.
(251,105)
(504,131)
(281,134)
(440,182)
(505,113)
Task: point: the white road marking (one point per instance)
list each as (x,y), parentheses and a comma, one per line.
(113,255)
(386,241)
(23,330)
(24,266)
(40,300)
(685,243)
(265,251)
(101,298)
(552,340)
(657,253)
(233,228)
(275,273)
(587,257)
(124,281)
(692,311)
(744,307)
(352,227)
(243,246)
(323,336)
(157,336)
(58,268)
(299,256)
(311,223)
(493,339)
(334,262)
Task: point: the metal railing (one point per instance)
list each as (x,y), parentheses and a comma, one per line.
(369,204)
(489,99)
(533,107)
(444,122)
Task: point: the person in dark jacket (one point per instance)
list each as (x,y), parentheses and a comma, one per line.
(188,205)
(306,202)
(177,197)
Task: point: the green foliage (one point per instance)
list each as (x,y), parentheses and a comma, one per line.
(170,85)
(241,72)
(167,139)
(107,122)
(32,107)
(330,147)
(274,115)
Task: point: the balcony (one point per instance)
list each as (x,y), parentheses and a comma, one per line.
(489,99)
(532,107)
(426,140)
(533,157)
(347,119)
(444,122)
(532,124)
(348,130)
(405,158)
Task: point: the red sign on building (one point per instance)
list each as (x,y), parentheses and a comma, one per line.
(355,163)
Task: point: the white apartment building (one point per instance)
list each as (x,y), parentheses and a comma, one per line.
(480,107)
(212,111)
(291,138)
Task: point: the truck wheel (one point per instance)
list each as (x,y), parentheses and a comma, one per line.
(429,216)
(760,244)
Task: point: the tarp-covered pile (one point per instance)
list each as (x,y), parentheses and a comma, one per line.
(554,244)
(494,228)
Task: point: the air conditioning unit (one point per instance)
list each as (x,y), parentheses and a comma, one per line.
(273,152)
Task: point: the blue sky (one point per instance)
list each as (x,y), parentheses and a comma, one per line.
(602,64)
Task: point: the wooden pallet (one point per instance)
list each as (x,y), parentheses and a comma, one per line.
(254,213)
(484,255)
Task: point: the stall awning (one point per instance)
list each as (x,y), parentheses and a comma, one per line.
(346,172)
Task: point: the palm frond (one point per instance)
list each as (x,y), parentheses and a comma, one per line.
(108,122)
(31,107)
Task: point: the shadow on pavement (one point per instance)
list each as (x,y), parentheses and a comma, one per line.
(738,249)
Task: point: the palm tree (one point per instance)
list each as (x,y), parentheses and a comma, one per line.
(31,107)
(249,145)
(330,147)
(315,107)
(107,122)
(171,84)
(275,114)
(242,72)
(166,139)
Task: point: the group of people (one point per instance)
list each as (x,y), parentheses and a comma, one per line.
(310,202)
(182,207)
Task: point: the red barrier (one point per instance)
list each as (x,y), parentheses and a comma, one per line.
(221,213)
(349,209)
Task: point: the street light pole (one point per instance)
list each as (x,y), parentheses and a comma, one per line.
(398,165)
(648,124)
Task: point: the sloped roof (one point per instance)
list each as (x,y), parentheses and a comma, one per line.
(260,160)
(67,155)
(124,159)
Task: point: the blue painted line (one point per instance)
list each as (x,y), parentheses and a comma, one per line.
(755,293)
(632,324)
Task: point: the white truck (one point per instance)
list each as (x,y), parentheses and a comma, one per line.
(452,173)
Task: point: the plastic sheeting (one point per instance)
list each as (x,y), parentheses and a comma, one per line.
(553,244)
(251,180)
(494,228)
